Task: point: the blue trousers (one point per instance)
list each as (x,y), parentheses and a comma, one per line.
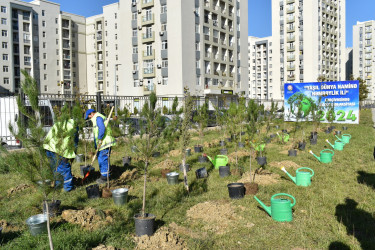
(103,160)
(63,169)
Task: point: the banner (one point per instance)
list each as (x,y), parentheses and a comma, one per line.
(301,101)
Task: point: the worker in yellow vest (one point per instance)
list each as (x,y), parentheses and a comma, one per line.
(104,140)
(60,144)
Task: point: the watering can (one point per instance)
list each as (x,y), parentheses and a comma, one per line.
(339,145)
(303,178)
(325,155)
(259,147)
(280,209)
(345,138)
(284,137)
(220,160)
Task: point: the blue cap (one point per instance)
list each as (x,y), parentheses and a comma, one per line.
(88,112)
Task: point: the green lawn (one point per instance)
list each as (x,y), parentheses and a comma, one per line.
(336,210)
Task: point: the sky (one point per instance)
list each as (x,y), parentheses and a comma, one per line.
(259,13)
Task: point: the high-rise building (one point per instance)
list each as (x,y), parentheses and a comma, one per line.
(260,68)
(45,42)
(349,63)
(308,40)
(363,55)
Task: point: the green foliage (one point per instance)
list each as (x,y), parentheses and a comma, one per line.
(330,114)
(175,105)
(201,117)
(316,113)
(165,110)
(253,118)
(135,112)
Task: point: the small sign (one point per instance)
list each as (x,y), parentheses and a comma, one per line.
(227,92)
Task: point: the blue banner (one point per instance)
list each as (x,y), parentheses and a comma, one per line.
(301,100)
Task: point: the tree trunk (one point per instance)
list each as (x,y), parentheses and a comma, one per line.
(144,190)
(250,165)
(48,226)
(185,174)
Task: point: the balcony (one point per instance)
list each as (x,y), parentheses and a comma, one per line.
(99,37)
(290,49)
(290,38)
(147,89)
(147,3)
(290,29)
(290,19)
(66,77)
(148,56)
(291,67)
(290,10)
(291,78)
(289,1)
(149,72)
(148,37)
(67,57)
(291,58)
(26,41)
(148,20)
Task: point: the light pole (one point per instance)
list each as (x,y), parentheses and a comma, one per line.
(116,66)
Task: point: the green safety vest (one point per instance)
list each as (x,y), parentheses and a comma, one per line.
(108,139)
(51,141)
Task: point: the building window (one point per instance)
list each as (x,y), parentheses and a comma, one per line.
(73,44)
(43,12)
(43,23)
(115,36)
(115,25)
(45,77)
(56,20)
(4,33)
(44,34)
(5,57)
(164,63)
(165,81)
(57,52)
(3,21)
(163,9)
(135,49)
(57,31)
(58,72)
(73,54)
(3,9)
(57,41)
(44,55)
(6,80)
(45,87)
(134,16)
(44,45)
(58,62)
(164,45)
(135,32)
(44,66)
(135,66)
(116,46)
(4,45)
(116,57)
(164,27)
(5,68)
(115,15)
(74,64)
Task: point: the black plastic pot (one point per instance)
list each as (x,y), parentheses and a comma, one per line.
(144,225)
(156,154)
(277,127)
(93,191)
(314,135)
(198,149)
(262,160)
(301,145)
(242,133)
(344,128)
(188,152)
(327,131)
(85,169)
(224,171)
(241,144)
(337,132)
(292,152)
(272,136)
(229,139)
(236,190)
(332,127)
(202,159)
(268,140)
(187,167)
(201,173)
(126,160)
(284,131)
(223,151)
(222,143)
(53,207)
(313,141)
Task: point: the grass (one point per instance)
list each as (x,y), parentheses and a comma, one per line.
(335,211)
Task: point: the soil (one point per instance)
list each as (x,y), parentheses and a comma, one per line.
(262,178)
(129,175)
(211,144)
(7,227)
(251,188)
(106,193)
(284,152)
(174,153)
(240,154)
(217,216)
(187,231)
(18,189)
(164,238)
(88,218)
(195,138)
(103,247)
(286,164)
(164,172)
(166,164)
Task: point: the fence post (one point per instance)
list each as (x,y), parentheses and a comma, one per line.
(99,101)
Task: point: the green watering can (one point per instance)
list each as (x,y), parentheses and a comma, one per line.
(220,160)
(303,178)
(284,137)
(259,147)
(339,145)
(345,138)
(325,155)
(280,209)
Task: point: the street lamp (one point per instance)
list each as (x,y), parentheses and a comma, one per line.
(116,66)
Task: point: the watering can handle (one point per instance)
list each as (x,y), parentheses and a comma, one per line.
(226,157)
(312,171)
(284,194)
(350,136)
(330,150)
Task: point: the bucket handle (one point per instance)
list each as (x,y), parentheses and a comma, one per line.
(284,194)
(350,136)
(312,171)
(330,150)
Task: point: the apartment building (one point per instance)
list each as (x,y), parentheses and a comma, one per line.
(349,63)
(45,42)
(363,54)
(260,68)
(309,41)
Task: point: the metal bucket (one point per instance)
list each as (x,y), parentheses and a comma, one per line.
(120,196)
(37,224)
(172,178)
(79,158)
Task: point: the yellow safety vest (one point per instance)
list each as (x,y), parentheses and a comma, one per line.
(60,145)
(108,140)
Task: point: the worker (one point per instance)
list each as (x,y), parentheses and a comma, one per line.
(104,140)
(61,144)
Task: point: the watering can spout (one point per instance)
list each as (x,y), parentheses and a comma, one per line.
(330,143)
(294,179)
(268,209)
(210,159)
(338,137)
(311,152)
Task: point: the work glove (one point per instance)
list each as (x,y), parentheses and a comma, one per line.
(100,142)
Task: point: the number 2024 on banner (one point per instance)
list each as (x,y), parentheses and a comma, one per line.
(340,115)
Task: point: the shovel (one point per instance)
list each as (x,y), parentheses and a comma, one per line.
(97,150)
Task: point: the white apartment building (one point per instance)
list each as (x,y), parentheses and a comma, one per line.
(167,46)
(349,63)
(47,43)
(260,68)
(308,40)
(364,55)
